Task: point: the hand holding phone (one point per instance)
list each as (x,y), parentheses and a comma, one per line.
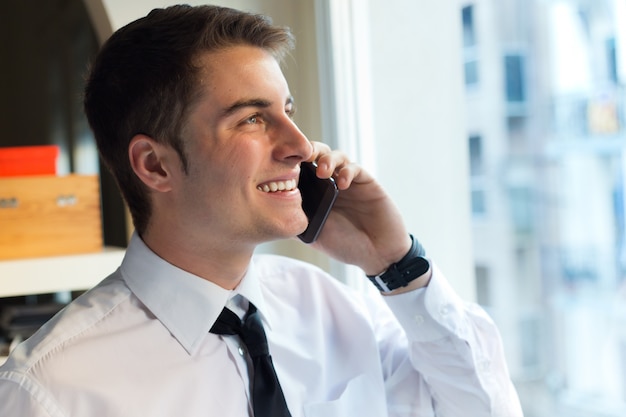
(318,197)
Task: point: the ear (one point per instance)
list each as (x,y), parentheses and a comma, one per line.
(149,159)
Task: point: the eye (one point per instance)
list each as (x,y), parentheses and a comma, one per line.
(252,120)
(290,111)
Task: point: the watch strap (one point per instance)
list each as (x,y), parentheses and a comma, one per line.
(401,273)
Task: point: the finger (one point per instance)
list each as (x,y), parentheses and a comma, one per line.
(346,175)
(332,162)
(340,168)
(319,149)
(328,161)
(336,164)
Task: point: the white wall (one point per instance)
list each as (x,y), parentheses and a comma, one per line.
(421,144)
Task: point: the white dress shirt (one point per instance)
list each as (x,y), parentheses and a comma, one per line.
(138,345)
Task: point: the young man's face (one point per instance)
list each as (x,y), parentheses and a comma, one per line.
(244,151)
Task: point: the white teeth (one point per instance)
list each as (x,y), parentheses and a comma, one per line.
(277,186)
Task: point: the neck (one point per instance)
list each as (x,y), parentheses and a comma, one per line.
(223,263)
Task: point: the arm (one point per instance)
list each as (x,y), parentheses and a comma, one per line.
(365,227)
(17,398)
(454,346)
(457,348)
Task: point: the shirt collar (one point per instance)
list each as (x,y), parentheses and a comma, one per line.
(250,289)
(186,304)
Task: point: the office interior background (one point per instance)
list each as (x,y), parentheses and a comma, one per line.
(498,126)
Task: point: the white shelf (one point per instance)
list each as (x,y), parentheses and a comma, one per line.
(59,273)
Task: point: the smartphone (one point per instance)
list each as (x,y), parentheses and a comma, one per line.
(318,197)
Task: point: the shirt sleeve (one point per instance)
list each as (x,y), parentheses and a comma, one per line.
(18,398)
(457,350)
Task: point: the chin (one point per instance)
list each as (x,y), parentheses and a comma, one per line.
(292,225)
(292,232)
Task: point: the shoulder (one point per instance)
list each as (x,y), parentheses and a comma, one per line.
(292,281)
(274,270)
(306,297)
(80,316)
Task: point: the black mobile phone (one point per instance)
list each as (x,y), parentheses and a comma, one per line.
(318,197)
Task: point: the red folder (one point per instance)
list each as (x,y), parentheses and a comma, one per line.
(28,160)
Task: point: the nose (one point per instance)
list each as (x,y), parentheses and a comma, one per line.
(291,144)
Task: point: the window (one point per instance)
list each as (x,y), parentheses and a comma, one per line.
(549,261)
(521,201)
(530,335)
(479,206)
(515,87)
(611,54)
(515,83)
(556,235)
(469,46)
(469,37)
(483,286)
(476,155)
(471,70)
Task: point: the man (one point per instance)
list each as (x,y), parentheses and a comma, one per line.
(193,116)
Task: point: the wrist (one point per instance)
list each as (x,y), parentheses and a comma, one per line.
(411,271)
(379,264)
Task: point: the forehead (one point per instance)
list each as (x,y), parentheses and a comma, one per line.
(239,71)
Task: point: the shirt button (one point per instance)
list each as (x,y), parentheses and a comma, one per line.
(241,350)
(419,319)
(444,310)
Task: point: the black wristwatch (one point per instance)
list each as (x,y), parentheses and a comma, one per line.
(401,273)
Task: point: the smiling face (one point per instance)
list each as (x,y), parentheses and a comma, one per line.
(243,152)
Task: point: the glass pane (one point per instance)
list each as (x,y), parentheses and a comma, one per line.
(478,202)
(476,155)
(471,72)
(550,258)
(514,77)
(469,37)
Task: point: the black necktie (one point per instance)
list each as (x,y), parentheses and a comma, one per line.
(267,396)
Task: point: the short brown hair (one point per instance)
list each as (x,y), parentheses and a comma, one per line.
(144,81)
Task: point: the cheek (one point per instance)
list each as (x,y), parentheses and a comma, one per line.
(239,163)
(231,170)
(227,158)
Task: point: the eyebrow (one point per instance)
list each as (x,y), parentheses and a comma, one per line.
(255,102)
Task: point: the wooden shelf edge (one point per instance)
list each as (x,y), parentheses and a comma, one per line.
(59,273)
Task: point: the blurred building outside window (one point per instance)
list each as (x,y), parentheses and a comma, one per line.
(550,250)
